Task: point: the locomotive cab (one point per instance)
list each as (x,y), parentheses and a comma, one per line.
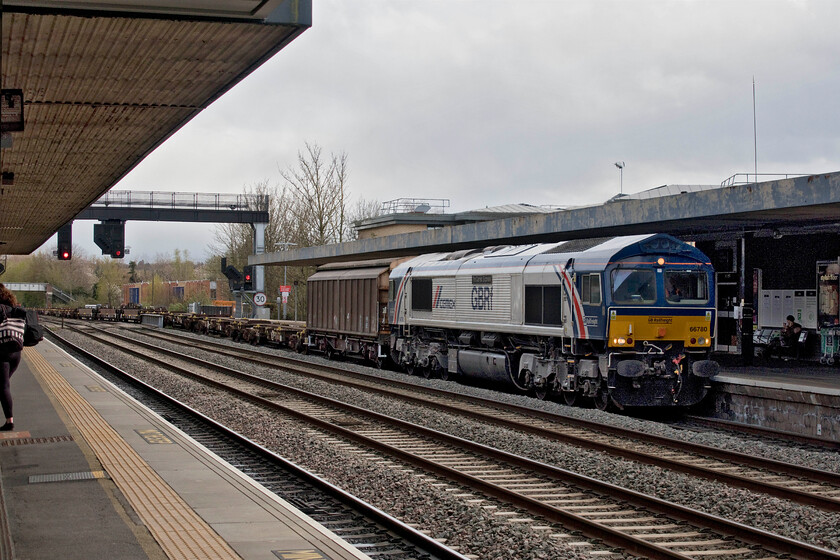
(661,327)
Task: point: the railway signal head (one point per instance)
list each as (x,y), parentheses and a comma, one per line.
(248,278)
(65,242)
(110,237)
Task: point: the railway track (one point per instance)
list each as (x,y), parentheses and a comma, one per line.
(639,524)
(797,483)
(355,521)
(757,432)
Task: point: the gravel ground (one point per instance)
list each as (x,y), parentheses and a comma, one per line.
(471,528)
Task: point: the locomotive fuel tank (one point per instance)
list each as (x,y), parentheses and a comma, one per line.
(489,366)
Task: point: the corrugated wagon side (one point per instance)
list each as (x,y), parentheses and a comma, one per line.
(348,310)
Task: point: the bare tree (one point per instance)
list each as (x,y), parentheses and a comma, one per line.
(319,188)
(311,207)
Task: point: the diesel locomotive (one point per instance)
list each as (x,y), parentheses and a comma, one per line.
(624,321)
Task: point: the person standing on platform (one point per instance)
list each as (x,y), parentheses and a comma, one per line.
(8,360)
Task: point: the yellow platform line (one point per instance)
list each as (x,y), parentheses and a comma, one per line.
(181,533)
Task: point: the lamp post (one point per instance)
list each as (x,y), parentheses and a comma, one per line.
(620,165)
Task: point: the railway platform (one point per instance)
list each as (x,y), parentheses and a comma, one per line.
(91,473)
(797,396)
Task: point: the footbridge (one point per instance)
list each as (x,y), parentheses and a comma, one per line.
(159,206)
(49,290)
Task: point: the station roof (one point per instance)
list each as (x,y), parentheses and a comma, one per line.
(785,206)
(458,218)
(105,82)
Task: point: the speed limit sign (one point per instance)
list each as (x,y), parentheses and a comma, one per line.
(260,299)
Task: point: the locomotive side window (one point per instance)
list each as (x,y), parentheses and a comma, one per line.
(533,305)
(543,305)
(392,290)
(590,289)
(421,294)
(686,287)
(552,305)
(633,285)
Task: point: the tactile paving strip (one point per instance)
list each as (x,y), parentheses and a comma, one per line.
(181,533)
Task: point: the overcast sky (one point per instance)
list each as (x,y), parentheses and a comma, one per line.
(494,102)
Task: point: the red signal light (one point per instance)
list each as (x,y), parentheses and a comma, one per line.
(65,255)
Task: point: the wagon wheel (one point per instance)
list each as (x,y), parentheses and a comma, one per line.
(409,369)
(603,401)
(426,372)
(570,397)
(541,392)
(444,374)
(329,352)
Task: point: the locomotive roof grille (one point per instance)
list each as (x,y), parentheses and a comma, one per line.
(577,245)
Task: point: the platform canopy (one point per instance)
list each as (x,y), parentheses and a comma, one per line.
(788,206)
(106,82)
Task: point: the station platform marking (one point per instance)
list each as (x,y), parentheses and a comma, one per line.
(181,533)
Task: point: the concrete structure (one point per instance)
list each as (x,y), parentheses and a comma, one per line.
(790,397)
(92,473)
(415,218)
(87,123)
(786,206)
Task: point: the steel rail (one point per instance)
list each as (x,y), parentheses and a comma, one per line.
(742,532)
(784,492)
(377,515)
